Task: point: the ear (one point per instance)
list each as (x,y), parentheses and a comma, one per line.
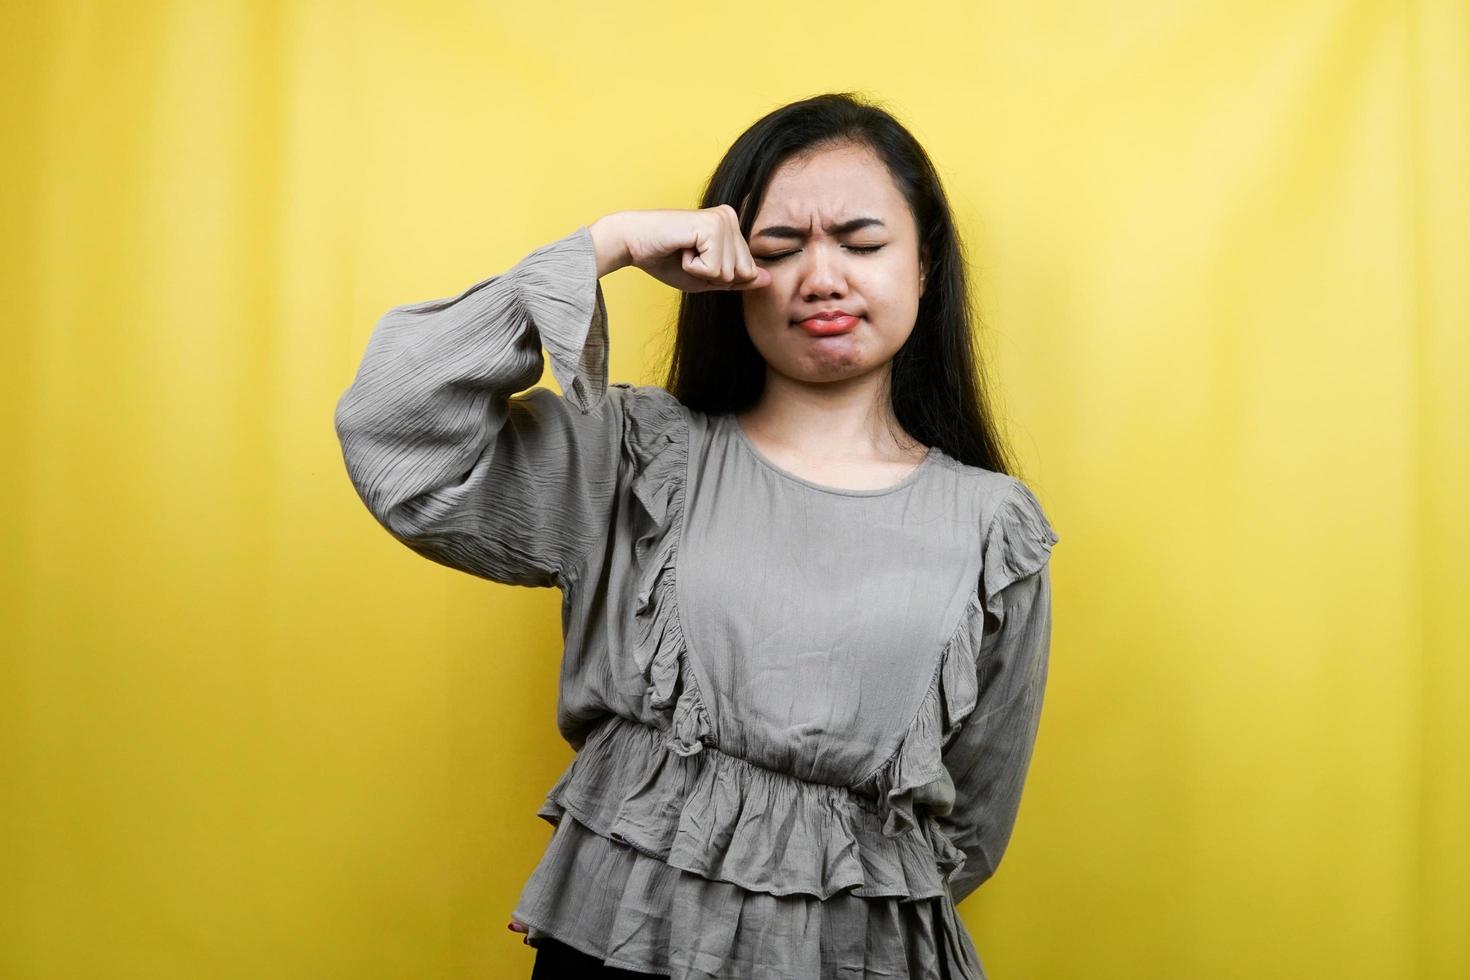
(923,269)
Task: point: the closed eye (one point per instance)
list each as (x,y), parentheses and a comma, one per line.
(864,249)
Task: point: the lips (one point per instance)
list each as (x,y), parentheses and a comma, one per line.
(827,325)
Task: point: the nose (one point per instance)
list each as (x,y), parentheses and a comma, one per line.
(822,274)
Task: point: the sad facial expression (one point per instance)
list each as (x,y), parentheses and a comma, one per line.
(836,234)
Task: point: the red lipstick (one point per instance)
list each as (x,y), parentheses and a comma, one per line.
(829,323)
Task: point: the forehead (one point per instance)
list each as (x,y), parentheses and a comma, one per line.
(831,185)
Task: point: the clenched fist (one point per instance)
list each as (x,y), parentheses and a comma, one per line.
(693,251)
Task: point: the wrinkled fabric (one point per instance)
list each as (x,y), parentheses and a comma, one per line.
(803,714)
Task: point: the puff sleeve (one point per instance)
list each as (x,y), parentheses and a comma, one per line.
(989,756)
(515,488)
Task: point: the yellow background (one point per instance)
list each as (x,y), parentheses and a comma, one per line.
(1222,251)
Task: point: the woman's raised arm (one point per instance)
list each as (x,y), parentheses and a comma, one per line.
(515,488)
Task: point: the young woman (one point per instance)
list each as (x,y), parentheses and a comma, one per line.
(807,608)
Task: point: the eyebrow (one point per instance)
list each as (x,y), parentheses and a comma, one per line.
(800,234)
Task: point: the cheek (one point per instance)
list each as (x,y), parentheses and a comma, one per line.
(896,305)
(893,295)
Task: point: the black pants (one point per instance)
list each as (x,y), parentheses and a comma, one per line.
(558,961)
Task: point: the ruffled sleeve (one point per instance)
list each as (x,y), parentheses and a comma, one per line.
(516,488)
(988,757)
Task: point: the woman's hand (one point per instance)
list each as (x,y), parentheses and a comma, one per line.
(516,925)
(693,251)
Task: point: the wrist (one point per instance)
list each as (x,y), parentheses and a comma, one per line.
(609,243)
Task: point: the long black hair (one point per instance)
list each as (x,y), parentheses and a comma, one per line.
(936,386)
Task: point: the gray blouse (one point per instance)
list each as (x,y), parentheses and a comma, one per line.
(802,714)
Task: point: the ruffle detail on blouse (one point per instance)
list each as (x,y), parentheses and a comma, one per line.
(1016,543)
(656,438)
(724,818)
(915,773)
(631,911)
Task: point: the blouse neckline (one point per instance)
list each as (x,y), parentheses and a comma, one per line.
(929,456)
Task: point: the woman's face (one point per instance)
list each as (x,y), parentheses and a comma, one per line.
(870,270)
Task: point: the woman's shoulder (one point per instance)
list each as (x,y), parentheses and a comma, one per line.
(646,399)
(991,486)
(654,412)
(1008,505)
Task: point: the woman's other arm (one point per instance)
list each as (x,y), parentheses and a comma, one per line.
(991,755)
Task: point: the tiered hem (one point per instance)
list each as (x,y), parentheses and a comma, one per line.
(727,819)
(633,911)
